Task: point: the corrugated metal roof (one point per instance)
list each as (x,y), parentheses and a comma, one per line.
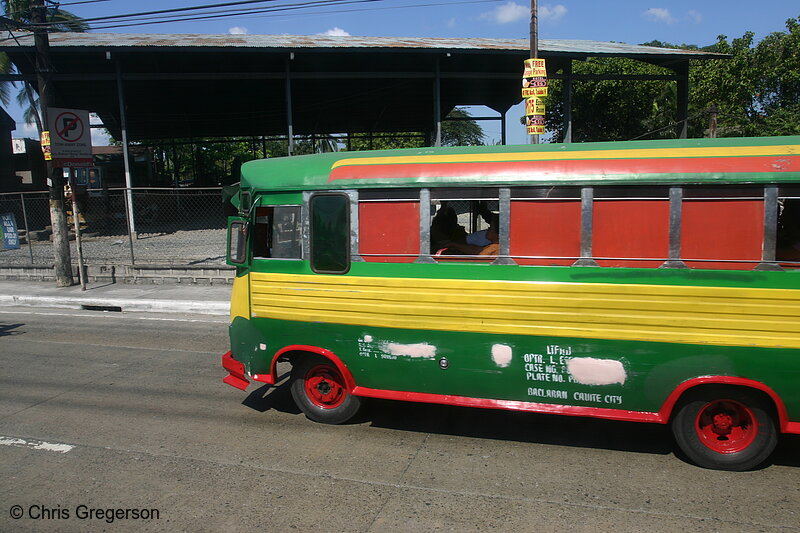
(546,46)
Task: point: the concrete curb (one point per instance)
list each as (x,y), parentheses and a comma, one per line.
(129,305)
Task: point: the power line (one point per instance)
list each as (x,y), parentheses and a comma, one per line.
(59,4)
(223,10)
(227,14)
(176,10)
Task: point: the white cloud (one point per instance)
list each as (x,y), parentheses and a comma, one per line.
(508,12)
(336,32)
(26,131)
(100,137)
(451,23)
(237,30)
(512,12)
(659,14)
(695,16)
(552,13)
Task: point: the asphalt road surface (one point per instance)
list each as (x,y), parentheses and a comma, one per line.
(120,422)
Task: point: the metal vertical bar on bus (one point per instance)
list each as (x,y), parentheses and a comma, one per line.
(305,224)
(675,217)
(424,227)
(25,221)
(587,215)
(504,257)
(126,159)
(355,256)
(770,230)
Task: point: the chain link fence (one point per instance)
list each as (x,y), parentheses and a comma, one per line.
(124,226)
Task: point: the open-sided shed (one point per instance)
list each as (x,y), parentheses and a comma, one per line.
(171,86)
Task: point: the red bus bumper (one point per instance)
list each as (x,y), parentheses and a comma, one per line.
(235,377)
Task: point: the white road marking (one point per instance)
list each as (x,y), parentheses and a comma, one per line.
(116,315)
(35,444)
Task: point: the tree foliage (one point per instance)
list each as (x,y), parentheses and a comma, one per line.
(612,109)
(21,12)
(756,91)
(460,132)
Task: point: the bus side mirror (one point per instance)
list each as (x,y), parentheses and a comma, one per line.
(237,241)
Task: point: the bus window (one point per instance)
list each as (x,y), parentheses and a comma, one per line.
(788,238)
(464,224)
(630,226)
(545,226)
(277,232)
(330,233)
(388,226)
(725,225)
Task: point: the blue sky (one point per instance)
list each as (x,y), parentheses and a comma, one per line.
(629,21)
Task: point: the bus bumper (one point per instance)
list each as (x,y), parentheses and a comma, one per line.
(235,377)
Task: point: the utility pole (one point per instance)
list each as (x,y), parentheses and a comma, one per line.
(534,45)
(58,216)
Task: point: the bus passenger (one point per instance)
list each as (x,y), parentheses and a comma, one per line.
(445,229)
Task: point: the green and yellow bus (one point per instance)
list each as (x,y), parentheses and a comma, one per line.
(651,281)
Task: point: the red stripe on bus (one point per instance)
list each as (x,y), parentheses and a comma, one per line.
(510,405)
(595,167)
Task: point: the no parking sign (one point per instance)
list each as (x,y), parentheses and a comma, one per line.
(70,137)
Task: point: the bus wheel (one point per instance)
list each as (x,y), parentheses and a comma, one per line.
(725,429)
(319,390)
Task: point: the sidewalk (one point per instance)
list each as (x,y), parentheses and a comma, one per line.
(201,299)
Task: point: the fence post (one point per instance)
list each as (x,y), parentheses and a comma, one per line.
(25,221)
(128,219)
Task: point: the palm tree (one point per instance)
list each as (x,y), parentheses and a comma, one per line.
(61,21)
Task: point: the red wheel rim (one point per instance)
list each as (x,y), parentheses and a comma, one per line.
(325,387)
(726,426)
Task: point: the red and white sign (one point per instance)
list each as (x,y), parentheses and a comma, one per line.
(70,137)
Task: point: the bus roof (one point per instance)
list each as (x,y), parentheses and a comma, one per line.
(755,160)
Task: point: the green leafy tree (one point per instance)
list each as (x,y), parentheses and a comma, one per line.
(21,12)
(462,132)
(757,91)
(612,109)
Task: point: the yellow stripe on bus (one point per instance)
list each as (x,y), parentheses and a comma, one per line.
(240,297)
(641,153)
(721,316)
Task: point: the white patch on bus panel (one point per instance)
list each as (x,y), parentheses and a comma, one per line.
(591,371)
(369,347)
(421,350)
(501,355)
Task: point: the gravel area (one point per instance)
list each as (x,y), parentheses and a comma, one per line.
(204,247)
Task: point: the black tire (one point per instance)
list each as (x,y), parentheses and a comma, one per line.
(319,390)
(725,428)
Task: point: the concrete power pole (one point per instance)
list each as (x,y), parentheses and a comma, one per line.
(58,217)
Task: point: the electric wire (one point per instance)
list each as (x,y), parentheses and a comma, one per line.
(223,10)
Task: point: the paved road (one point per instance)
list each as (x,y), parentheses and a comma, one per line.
(108,411)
